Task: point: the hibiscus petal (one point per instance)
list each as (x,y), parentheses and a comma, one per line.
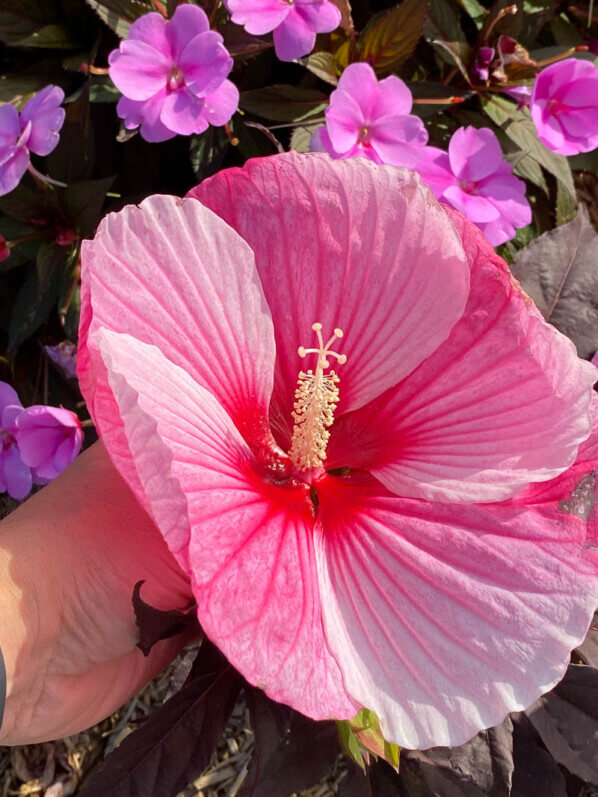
(351,245)
(138,70)
(250,544)
(173,274)
(445,618)
(474,153)
(503,402)
(294,37)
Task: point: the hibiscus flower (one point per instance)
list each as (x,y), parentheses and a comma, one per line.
(355,432)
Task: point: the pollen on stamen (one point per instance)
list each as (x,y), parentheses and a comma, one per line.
(316,399)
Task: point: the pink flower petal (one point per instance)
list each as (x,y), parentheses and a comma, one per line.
(46,117)
(507,194)
(188,21)
(444,618)
(393,98)
(321,16)
(294,37)
(146,116)
(435,170)
(13,169)
(497,232)
(16,476)
(183,112)
(251,551)
(9,125)
(8,396)
(344,121)
(351,245)
(220,105)
(503,402)
(359,80)
(474,153)
(258,16)
(138,70)
(153,29)
(172,274)
(399,140)
(205,63)
(476,208)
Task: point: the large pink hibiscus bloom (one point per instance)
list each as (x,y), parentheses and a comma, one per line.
(432,567)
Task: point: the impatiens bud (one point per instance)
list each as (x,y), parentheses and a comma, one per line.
(15,476)
(65,236)
(35,130)
(481,68)
(49,439)
(564,106)
(64,356)
(373,119)
(474,178)
(173,76)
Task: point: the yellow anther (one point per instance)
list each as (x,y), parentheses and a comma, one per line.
(316,399)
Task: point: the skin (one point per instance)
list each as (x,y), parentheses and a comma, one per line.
(69,559)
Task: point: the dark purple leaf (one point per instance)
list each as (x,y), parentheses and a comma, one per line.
(176,743)
(536,771)
(292,752)
(567,722)
(155,624)
(588,650)
(483,767)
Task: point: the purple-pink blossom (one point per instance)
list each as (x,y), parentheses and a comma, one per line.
(36,443)
(172,74)
(564,106)
(64,356)
(49,439)
(519,93)
(35,129)
(294,23)
(481,67)
(474,178)
(371,118)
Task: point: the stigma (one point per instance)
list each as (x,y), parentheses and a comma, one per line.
(316,399)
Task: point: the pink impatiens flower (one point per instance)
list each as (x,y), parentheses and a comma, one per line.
(372,119)
(564,106)
(294,22)
(35,130)
(474,178)
(172,74)
(15,476)
(354,431)
(49,439)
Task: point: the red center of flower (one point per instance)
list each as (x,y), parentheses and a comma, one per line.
(6,439)
(176,79)
(468,186)
(556,106)
(364,136)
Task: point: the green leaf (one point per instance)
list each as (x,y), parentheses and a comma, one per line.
(255,140)
(364,729)
(566,205)
(475,10)
(282,103)
(301,136)
(22,18)
(20,253)
(443,22)
(349,743)
(83,203)
(518,126)
(55,37)
(456,54)
(207,152)
(322,65)
(73,159)
(118,14)
(102,89)
(37,296)
(390,37)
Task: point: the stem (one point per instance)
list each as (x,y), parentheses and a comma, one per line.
(439,101)
(234,141)
(161,8)
(87,424)
(44,177)
(512,9)
(98,70)
(304,123)
(571,51)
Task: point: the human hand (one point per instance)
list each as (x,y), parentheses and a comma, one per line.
(69,559)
